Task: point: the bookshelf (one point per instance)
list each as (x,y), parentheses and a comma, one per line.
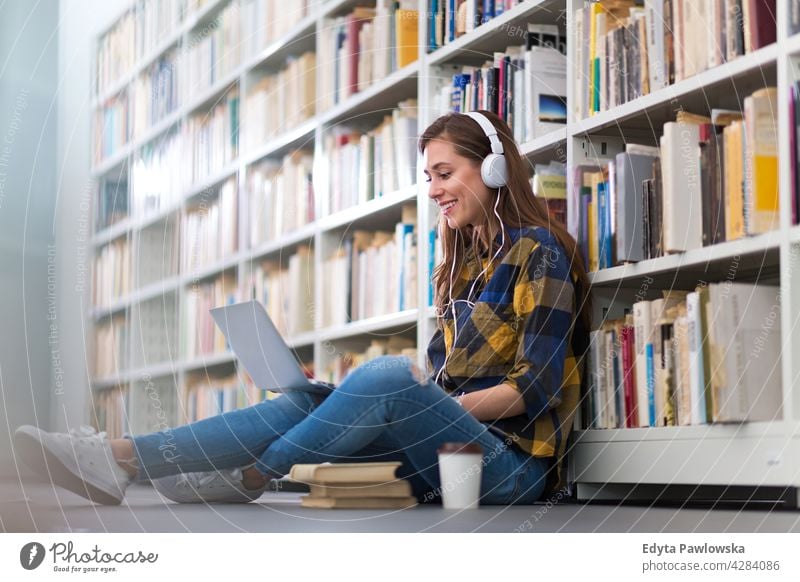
(604,464)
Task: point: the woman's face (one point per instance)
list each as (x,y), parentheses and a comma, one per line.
(456,186)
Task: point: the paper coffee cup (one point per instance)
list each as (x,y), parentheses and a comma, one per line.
(460,474)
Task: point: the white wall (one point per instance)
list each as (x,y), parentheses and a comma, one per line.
(45,215)
(28,69)
(81,21)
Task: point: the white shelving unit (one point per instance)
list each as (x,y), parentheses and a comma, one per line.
(603,463)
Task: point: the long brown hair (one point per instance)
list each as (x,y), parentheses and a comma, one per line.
(518,207)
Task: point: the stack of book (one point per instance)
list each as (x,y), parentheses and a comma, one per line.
(354,486)
(115,52)
(450,19)
(111,270)
(212,137)
(111,127)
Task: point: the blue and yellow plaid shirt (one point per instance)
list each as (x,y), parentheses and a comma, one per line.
(520,333)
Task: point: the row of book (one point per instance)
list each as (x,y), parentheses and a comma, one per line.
(623,51)
(210,230)
(549,183)
(137,34)
(524,85)
(111,202)
(689,358)
(287,291)
(208,396)
(110,346)
(365,46)
(451,19)
(111,273)
(712,180)
(267,21)
(351,272)
(281,101)
(214,50)
(347,360)
(363,166)
(155,94)
(200,335)
(158,176)
(154,331)
(116,52)
(109,410)
(281,197)
(794,145)
(110,131)
(157,254)
(212,138)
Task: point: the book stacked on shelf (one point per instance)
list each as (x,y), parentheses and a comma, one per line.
(110,346)
(158,176)
(109,411)
(451,19)
(353,485)
(111,131)
(364,47)
(213,51)
(389,257)
(364,166)
(210,230)
(395,345)
(281,196)
(116,53)
(111,270)
(208,396)
(689,358)
(157,254)
(267,21)
(111,202)
(691,192)
(549,183)
(155,94)
(155,21)
(526,86)
(213,137)
(287,293)
(278,102)
(624,51)
(201,336)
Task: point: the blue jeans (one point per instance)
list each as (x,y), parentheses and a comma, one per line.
(383,410)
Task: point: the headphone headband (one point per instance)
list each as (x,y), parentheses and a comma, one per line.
(489,130)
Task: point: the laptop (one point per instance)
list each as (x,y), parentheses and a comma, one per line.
(260,348)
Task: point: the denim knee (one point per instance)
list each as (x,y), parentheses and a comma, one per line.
(382,376)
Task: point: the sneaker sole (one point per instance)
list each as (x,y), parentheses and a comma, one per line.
(39,458)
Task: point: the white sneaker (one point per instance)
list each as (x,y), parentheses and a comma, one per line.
(80,461)
(224,486)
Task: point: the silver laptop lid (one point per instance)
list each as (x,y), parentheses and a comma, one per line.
(260,348)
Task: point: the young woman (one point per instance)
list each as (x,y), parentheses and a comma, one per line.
(504,364)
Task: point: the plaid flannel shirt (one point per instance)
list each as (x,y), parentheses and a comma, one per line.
(520,333)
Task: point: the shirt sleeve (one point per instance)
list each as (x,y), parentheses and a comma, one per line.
(543,306)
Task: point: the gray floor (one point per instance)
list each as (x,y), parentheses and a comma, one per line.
(39,508)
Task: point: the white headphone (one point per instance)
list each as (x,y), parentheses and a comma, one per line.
(494,170)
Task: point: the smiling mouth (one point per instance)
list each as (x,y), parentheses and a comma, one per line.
(445,208)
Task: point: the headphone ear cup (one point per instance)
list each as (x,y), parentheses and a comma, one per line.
(494,171)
